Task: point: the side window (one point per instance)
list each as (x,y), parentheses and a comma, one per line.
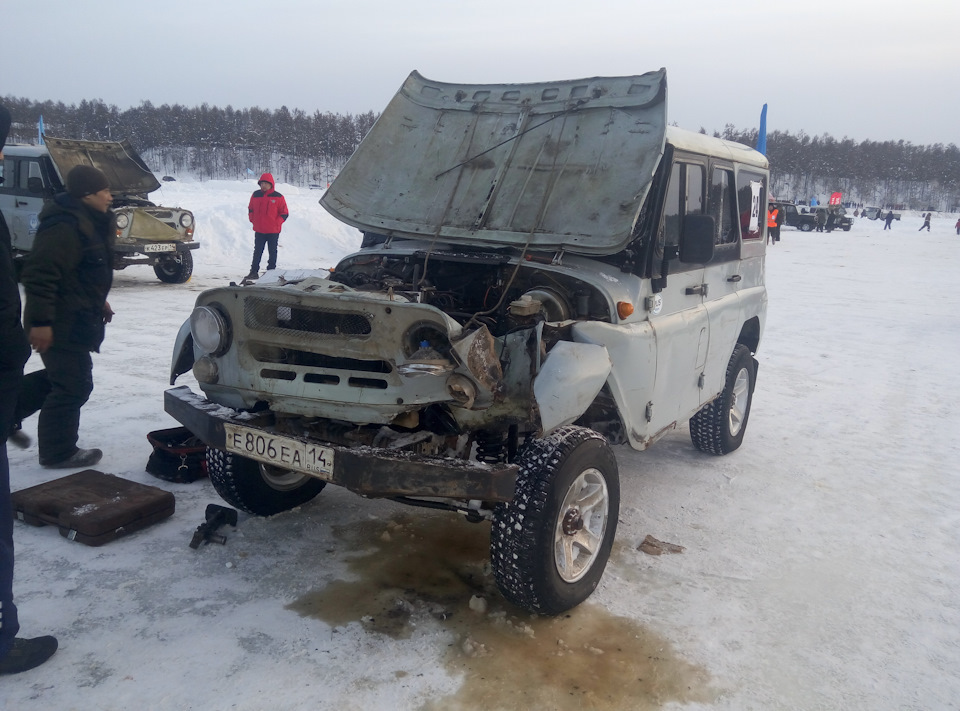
(723,206)
(685,196)
(28,169)
(6,173)
(751,194)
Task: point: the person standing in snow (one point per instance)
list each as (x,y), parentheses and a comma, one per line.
(773,226)
(66,279)
(926,222)
(267,211)
(888,220)
(958,227)
(17,654)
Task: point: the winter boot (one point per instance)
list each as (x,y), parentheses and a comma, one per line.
(26,654)
(80,458)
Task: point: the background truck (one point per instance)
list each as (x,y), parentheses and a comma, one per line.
(150,234)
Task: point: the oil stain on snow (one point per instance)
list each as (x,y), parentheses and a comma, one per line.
(424,572)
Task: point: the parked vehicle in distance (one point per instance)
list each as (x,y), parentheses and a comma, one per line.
(150,234)
(538,280)
(877,213)
(804,218)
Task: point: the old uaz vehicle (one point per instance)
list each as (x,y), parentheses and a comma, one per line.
(161,237)
(546,270)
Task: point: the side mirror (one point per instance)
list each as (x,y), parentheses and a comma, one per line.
(696,243)
(35,185)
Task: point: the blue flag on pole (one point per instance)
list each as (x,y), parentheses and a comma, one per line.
(40,130)
(762,138)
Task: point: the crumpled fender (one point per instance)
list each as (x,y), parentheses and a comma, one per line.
(569,381)
(182,352)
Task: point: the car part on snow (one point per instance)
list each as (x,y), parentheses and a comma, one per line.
(214,517)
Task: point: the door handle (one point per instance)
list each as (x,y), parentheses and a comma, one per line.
(735,277)
(701,289)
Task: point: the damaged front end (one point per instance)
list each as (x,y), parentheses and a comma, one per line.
(453,356)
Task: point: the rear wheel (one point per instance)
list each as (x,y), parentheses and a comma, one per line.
(174,268)
(806,227)
(718,428)
(258,488)
(550,545)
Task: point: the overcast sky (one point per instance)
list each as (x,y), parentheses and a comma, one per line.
(879,70)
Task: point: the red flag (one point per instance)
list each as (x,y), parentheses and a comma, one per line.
(835,198)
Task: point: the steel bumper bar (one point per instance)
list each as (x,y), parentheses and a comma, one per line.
(368,471)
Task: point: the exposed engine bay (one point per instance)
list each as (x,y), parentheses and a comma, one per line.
(476,287)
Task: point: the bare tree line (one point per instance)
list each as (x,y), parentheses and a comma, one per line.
(883,173)
(303,149)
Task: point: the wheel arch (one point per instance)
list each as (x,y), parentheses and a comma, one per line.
(750,334)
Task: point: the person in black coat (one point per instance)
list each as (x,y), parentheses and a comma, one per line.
(16,653)
(66,279)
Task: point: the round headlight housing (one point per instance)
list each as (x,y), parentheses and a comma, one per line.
(210,330)
(123,219)
(186,220)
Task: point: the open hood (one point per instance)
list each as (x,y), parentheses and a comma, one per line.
(122,165)
(557,165)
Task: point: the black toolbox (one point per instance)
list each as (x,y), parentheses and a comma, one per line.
(92,507)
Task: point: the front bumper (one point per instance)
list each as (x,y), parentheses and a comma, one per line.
(368,471)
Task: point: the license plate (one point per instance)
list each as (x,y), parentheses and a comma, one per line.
(169,247)
(282,452)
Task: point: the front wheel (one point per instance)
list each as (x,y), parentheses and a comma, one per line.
(257,488)
(174,268)
(719,426)
(806,227)
(550,545)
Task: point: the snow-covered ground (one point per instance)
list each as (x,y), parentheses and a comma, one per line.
(821,562)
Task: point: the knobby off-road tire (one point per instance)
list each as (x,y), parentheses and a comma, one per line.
(550,545)
(719,426)
(256,488)
(174,269)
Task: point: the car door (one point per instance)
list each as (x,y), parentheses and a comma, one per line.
(734,277)
(679,319)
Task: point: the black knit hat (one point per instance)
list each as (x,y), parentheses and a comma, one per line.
(85,180)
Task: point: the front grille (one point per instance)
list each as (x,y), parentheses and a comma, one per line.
(275,316)
(271,353)
(162,214)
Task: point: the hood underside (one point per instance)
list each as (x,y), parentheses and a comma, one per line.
(123,166)
(557,165)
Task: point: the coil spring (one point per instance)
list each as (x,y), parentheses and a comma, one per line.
(491,447)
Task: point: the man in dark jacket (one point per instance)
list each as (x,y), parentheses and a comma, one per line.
(66,279)
(267,211)
(16,654)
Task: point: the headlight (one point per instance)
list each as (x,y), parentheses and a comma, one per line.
(210,330)
(186,220)
(122,221)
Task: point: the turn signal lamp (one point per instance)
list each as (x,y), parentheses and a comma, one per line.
(624,309)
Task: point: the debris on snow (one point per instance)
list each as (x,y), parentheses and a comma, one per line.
(652,546)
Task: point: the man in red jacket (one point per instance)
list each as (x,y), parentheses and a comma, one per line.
(268,211)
